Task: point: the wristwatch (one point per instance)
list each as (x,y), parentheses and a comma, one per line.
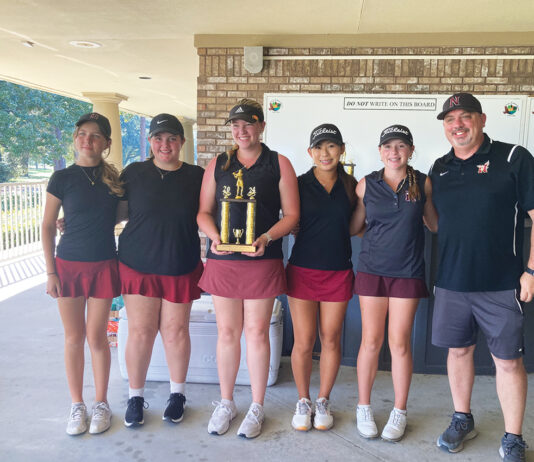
(529,271)
(269,239)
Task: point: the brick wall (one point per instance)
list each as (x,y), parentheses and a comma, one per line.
(223,79)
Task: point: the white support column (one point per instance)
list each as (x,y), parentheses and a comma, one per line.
(187,153)
(107,104)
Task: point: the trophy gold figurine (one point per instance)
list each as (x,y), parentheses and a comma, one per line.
(347,164)
(249,227)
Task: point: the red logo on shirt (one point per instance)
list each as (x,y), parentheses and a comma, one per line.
(484,167)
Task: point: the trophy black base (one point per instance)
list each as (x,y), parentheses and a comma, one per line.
(236,248)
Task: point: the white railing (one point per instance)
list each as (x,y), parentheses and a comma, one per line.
(21,213)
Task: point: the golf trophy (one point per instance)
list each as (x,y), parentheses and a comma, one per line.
(241,206)
(347,164)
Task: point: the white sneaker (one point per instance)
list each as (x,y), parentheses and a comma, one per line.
(77,420)
(101,419)
(223,414)
(365,422)
(323,420)
(251,425)
(394,429)
(302,419)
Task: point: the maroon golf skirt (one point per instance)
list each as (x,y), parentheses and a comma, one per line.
(244,279)
(97,279)
(319,285)
(372,285)
(175,289)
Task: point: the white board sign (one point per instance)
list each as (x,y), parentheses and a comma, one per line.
(529,135)
(291,117)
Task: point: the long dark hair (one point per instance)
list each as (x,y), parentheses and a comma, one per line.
(349,183)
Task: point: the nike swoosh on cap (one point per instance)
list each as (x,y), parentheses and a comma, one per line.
(161,121)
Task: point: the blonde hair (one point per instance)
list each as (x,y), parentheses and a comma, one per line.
(233,150)
(414,194)
(108,173)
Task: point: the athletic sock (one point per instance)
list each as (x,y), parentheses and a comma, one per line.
(177,387)
(135,392)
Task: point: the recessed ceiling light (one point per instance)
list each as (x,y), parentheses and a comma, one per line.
(84,44)
(27,43)
(145,77)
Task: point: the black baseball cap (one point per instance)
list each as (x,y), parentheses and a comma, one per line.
(396,132)
(99,119)
(165,123)
(245,112)
(325,132)
(465,101)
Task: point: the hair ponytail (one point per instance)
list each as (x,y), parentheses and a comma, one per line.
(414,194)
(349,183)
(110,177)
(229,155)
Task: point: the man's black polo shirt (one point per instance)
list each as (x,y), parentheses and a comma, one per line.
(481,203)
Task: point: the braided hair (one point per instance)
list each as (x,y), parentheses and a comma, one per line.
(413,188)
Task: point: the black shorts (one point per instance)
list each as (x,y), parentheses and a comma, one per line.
(459,315)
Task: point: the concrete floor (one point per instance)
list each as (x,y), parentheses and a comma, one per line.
(35,405)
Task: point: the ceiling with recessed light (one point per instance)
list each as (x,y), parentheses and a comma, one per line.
(146,49)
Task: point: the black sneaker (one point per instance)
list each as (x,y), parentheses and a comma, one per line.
(513,449)
(174,411)
(462,428)
(134,411)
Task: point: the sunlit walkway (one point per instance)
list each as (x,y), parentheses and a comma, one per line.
(35,404)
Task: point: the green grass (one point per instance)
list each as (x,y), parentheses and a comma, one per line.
(34,174)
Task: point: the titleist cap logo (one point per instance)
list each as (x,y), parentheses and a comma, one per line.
(325,132)
(396,130)
(392,132)
(321,131)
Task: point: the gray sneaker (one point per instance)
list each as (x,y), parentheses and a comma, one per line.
(513,449)
(461,429)
(223,414)
(251,425)
(101,419)
(77,420)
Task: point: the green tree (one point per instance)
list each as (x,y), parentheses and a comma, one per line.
(134,135)
(36,126)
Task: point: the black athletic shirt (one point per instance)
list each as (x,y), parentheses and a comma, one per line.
(161,236)
(264,175)
(394,240)
(481,203)
(89,211)
(323,240)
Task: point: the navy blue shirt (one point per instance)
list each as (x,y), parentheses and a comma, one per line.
(264,175)
(161,236)
(90,213)
(394,240)
(481,203)
(323,240)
